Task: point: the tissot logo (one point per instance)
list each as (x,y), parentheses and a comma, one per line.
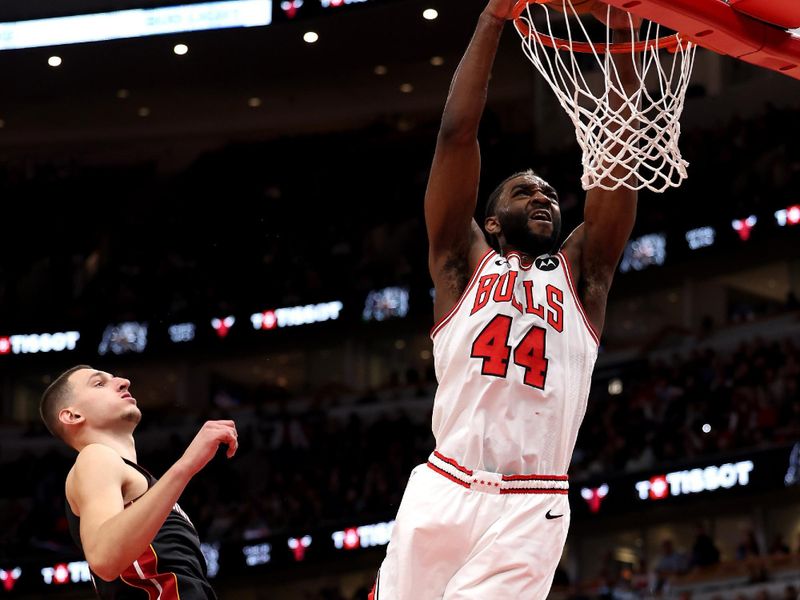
(366,536)
(296,315)
(75,572)
(36,343)
(693,481)
(546,263)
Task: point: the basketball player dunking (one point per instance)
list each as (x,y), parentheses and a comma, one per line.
(514,348)
(137,540)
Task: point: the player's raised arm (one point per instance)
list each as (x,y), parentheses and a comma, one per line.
(608,215)
(113,536)
(456,241)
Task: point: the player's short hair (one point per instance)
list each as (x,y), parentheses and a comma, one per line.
(55,397)
(491,203)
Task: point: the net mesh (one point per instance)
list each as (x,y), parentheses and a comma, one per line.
(628,137)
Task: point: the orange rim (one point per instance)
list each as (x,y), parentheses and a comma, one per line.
(670,42)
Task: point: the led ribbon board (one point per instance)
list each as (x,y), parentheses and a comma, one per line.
(79,29)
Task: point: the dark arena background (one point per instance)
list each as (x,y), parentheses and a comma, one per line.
(232,219)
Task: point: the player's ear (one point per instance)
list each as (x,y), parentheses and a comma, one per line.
(69,416)
(492,225)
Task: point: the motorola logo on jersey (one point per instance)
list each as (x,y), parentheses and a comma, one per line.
(693,481)
(36,343)
(546,263)
(594,496)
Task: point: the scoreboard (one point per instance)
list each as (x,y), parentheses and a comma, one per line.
(120,20)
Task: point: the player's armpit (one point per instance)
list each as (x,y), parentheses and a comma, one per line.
(452,270)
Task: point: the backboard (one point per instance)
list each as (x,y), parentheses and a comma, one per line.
(756,31)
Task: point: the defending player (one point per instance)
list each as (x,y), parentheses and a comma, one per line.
(137,540)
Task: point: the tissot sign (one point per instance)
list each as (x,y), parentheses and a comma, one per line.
(717,479)
(35,343)
(694,481)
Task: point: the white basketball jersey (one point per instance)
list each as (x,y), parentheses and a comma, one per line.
(514,360)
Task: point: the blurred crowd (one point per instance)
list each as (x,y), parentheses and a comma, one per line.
(745,571)
(702,404)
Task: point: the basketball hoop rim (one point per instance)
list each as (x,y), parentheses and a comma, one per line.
(670,42)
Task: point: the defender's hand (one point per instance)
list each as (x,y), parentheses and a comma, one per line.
(205,444)
(615,18)
(500,9)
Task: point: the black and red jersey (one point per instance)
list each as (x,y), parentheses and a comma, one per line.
(171,568)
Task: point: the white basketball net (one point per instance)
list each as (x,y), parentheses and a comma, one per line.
(641,134)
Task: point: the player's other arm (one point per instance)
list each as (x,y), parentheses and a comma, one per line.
(456,241)
(595,248)
(113,536)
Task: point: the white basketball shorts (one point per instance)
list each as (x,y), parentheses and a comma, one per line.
(463,534)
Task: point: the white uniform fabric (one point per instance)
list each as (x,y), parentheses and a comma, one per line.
(514,359)
(499,423)
(454,543)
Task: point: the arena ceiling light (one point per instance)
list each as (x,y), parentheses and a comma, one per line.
(121,24)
